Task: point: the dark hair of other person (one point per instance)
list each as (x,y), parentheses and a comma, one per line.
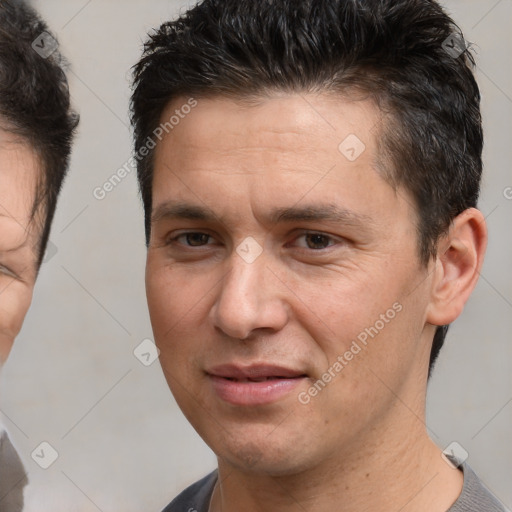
(391,51)
(35,105)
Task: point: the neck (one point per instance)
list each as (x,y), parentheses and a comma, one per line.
(389,469)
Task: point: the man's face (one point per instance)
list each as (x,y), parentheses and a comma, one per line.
(18,173)
(274,250)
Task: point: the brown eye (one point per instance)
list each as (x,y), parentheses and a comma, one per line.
(317,241)
(196,239)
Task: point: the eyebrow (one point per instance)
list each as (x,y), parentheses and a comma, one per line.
(308,213)
(324,212)
(171,210)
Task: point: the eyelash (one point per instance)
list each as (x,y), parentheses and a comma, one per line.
(330,239)
(186,234)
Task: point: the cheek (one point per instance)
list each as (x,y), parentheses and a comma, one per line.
(336,306)
(371,355)
(370,320)
(178,305)
(178,309)
(15,300)
(174,297)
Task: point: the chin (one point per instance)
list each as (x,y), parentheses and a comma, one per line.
(260,452)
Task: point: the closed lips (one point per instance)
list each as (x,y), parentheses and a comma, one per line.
(256,373)
(256,385)
(260,379)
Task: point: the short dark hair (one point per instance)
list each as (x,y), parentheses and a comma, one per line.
(35,103)
(406,55)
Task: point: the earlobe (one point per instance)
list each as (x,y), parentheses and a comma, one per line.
(458,264)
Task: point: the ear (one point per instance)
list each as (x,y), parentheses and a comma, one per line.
(457,267)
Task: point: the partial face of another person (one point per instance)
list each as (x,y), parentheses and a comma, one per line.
(277,259)
(19,168)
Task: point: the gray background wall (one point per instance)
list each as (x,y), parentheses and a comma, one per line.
(72,379)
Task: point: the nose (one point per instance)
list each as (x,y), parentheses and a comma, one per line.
(250,299)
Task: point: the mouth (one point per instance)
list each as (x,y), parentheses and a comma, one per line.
(253,385)
(259,379)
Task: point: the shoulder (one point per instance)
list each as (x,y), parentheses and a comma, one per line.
(475,497)
(195,498)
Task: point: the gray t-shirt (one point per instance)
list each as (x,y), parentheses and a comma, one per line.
(474,496)
(12,476)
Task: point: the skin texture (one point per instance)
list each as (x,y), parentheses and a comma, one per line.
(18,174)
(360,443)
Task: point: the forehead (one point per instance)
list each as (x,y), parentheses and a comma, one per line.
(19,167)
(277,123)
(277,151)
